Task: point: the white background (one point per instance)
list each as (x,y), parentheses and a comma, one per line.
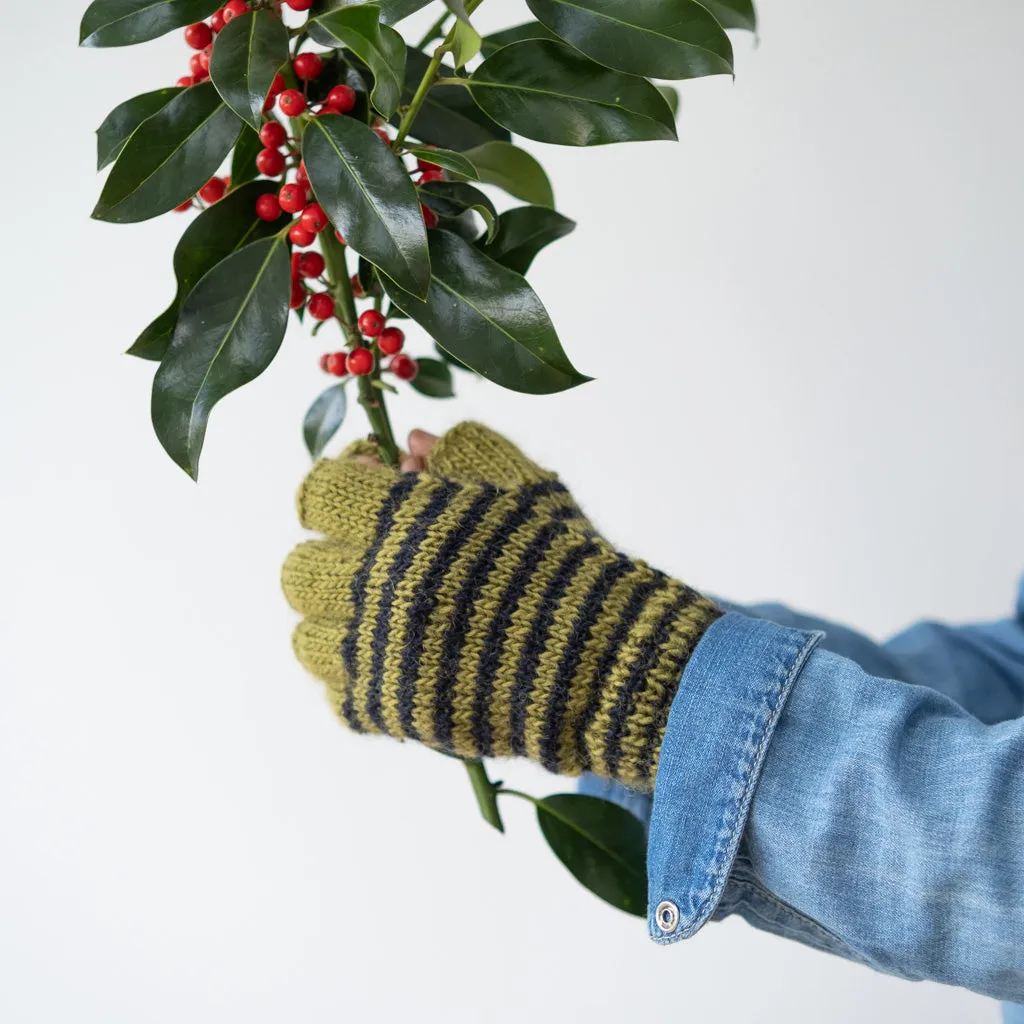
(804,323)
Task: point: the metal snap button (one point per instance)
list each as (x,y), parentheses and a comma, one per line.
(666,916)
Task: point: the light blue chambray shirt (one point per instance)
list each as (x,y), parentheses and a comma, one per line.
(865,799)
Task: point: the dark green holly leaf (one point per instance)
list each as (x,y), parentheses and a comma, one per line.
(231,327)
(446,158)
(368,278)
(324,419)
(357,28)
(243,160)
(434,379)
(522,233)
(550,92)
(368,194)
(124,22)
(119,124)
(449,360)
(656,38)
(391,11)
(514,170)
(169,157)
(601,844)
(489,318)
(671,96)
(453,198)
(249,52)
(449,117)
(215,234)
(516,34)
(733,13)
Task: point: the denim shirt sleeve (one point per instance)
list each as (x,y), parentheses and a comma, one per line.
(856,812)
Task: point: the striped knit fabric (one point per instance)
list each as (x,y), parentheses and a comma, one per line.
(486,618)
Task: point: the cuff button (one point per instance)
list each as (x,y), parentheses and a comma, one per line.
(666,916)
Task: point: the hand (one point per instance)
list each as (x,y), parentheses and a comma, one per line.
(468,604)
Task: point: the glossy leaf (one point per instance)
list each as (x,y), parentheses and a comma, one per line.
(391,11)
(514,170)
(516,34)
(243,160)
(671,97)
(449,117)
(453,198)
(465,43)
(449,360)
(324,419)
(458,163)
(522,233)
(169,157)
(549,92)
(357,28)
(215,234)
(231,327)
(368,194)
(657,38)
(119,124)
(250,51)
(125,22)
(733,13)
(434,379)
(601,844)
(489,318)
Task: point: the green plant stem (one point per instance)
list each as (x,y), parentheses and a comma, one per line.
(427,81)
(435,30)
(515,792)
(486,793)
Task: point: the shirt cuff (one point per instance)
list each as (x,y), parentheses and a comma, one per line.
(722,720)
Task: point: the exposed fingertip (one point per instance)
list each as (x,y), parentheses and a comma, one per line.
(411,464)
(421,441)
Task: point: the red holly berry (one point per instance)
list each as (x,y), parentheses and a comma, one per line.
(371,323)
(429,217)
(292,198)
(195,65)
(185,81)
(267,207)
(269,162)
(340,237)
(311,264)
(357,286)
(300,236)
(217,20)
(391,340)
(307,66)
(360,362)
(321,306)
(291,102)
(204,58)
(335,363)
(299,5)
(199,36)
(185,207)
(426,165)
(404,368)
(273,135)
(276,86)
(298,299)
(300,175)
(213,190)
(383,136)
(342,98)
(313,218)
(233,8)
(426,176)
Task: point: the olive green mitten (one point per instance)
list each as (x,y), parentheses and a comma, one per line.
(472,607)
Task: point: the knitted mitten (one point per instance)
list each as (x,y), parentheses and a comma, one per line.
(477,612)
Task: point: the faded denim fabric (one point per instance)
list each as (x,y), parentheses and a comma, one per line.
(865,799)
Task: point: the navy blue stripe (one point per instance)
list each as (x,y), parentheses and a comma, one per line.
(579,637)
(440,500)
(385,521)
(619,635)
(465,602)
(425,601)
(526,672)
(490,655)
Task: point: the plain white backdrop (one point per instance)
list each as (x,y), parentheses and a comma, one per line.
(804,321)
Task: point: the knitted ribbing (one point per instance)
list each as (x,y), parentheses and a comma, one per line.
(487,620)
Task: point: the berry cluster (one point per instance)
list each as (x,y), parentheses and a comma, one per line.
(387,341)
